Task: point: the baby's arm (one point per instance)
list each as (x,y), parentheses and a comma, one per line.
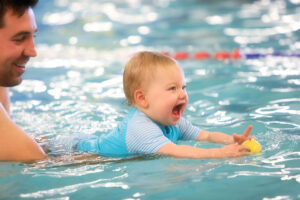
(184,151)
(233,149)
(218,137)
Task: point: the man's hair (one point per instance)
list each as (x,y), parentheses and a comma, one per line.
(18,7)
(140,69)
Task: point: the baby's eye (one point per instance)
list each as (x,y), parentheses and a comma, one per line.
(172,88)
(184,87)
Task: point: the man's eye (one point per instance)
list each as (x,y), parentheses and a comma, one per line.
(19,39)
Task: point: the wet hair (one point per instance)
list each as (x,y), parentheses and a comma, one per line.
(18,7)
(140,69)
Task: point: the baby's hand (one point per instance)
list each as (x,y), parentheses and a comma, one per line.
(241,138)
(235,150)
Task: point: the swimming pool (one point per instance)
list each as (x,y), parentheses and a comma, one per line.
(75,86)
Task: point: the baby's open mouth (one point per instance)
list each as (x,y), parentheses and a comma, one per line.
(177,110)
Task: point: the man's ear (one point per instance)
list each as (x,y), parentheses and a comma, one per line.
(140,98)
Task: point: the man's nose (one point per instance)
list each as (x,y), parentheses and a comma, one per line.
(30,50)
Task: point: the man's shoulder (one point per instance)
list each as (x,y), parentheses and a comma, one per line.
(4,98)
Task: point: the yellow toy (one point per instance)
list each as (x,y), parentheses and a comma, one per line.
(253,145)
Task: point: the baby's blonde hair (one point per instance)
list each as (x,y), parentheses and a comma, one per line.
(140,69)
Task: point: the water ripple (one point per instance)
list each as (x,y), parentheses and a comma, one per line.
(75,187)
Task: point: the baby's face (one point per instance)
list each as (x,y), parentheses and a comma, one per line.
(166,96)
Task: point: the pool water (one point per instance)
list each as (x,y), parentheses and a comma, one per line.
(75,86)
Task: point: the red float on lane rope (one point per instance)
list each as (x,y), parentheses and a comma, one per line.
(222,55)
(202,55)
(236,54)
(181,55)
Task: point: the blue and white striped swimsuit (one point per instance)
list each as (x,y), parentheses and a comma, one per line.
(137,134)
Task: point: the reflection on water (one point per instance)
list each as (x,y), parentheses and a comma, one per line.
(75,86)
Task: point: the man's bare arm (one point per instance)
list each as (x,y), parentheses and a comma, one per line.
(15,144)
(4,98)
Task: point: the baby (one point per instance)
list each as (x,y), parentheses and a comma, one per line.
(155,88)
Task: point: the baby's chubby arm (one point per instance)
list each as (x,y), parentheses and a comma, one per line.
(184,151)
(221,138)
(233,149)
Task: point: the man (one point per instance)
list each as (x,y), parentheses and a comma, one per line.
(17,30)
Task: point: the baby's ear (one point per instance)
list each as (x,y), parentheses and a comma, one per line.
(140,99)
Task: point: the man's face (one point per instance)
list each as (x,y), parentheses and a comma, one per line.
(16,46)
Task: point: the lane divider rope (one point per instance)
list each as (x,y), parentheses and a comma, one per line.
(225,55)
